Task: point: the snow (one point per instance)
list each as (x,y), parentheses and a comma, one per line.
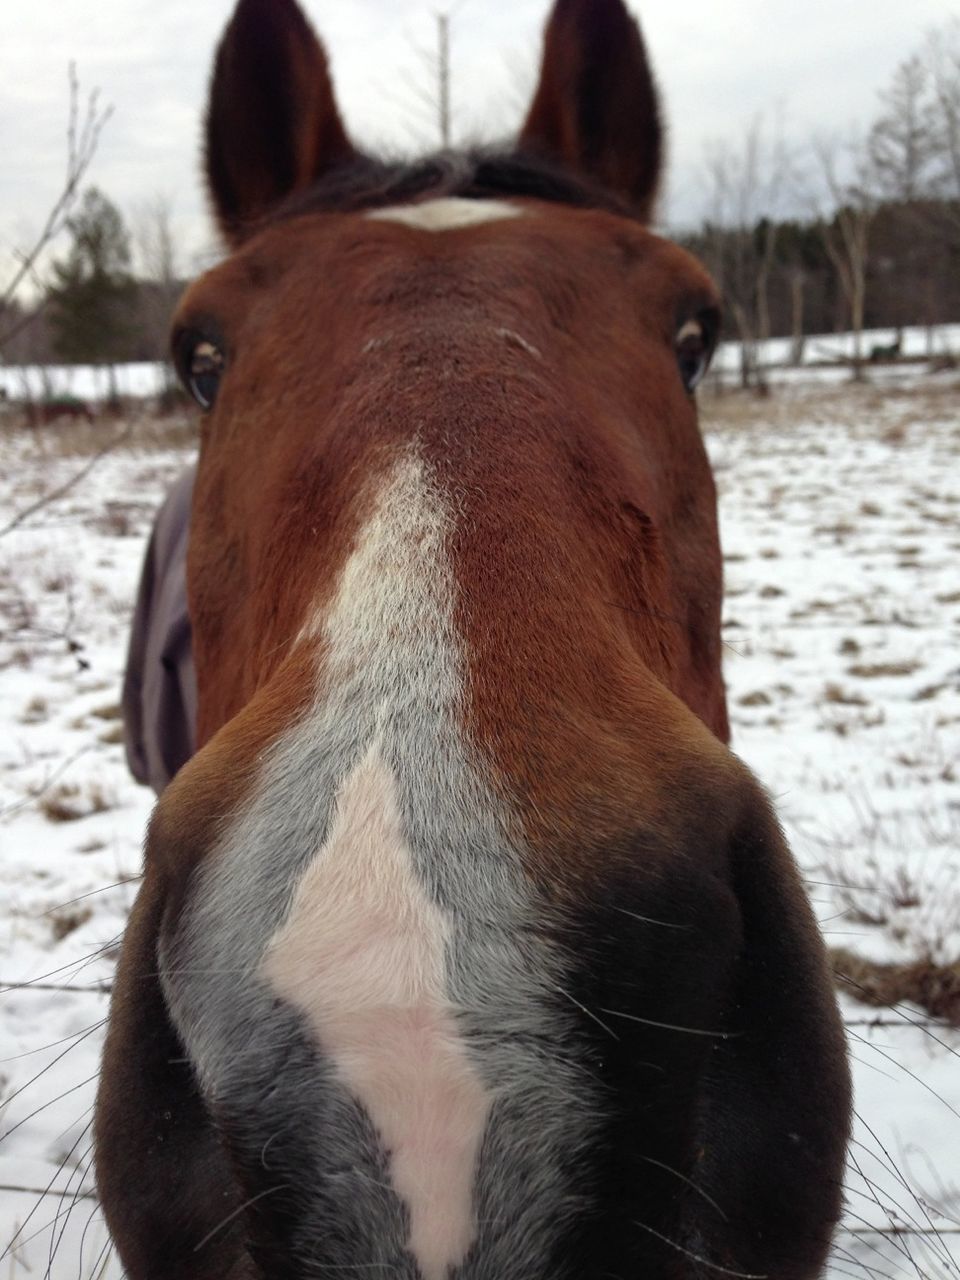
(841,529)
(84,382)
(841,524)
(820,348)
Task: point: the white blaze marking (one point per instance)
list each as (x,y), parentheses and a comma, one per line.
(447,213)
(363,950)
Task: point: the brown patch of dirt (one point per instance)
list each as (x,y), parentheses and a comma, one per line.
(924,982)
(64,922)
(756,699)
(843,697)
(873,670)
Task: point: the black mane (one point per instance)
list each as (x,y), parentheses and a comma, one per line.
(367,183)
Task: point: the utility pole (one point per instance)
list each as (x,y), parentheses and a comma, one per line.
(443,77)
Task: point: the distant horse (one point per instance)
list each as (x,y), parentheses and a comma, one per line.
(881,352)
(466,950)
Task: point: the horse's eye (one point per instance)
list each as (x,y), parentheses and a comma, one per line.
(694,346)
(200,363)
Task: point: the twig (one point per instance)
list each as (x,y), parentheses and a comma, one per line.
(75,479)
(34,796)
(38,1191)
(95,988)
(83,137)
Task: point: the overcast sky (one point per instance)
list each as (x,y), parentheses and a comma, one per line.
(819,63)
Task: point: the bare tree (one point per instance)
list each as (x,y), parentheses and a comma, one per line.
(160,284)
(85,122)
(902,141)
(426,97)
(903,145)
(942,56)
(443,77)
(745,187)
(845,230)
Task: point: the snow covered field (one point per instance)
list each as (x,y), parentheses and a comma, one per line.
(841,522)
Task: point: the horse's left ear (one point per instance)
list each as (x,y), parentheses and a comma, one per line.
(272,123)
(596,107)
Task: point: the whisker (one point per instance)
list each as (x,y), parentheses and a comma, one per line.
(47,1226)
(696,1257)
(870,1066)
(50,1065)
(590,1014)
(49,1103)
(24,985)
(82,1168)
(858,1217)
(83,1240)
(46,1192)
(663,924)
(670,1026)
(77,1035)
(924,1025)
(872,1197)
(906,1186)
(236,1213)
(861,1263)
(912,1074)
(842,1271)
(117,884)
(690,1183)
(902,1244)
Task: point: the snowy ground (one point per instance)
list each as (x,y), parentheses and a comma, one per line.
(841,519)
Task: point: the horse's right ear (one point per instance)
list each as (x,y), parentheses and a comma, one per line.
(596,108)
(272,123)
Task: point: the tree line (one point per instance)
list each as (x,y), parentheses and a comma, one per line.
(93,309)
(838,236)
(877,243)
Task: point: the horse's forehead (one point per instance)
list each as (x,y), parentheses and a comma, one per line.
(331,258)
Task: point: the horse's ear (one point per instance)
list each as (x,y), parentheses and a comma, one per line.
(272,123)
(596,107)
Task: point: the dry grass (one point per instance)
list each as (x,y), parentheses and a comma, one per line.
(109,711)
(924,982)
(835,693)
(120,519)
(63,923)
(756,699)
(80,439)
(69,802)
(36,711)
(899,408)
(876,670)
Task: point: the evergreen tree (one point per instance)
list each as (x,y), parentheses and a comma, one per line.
(92,298)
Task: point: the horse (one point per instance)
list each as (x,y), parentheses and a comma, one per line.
(880,352)
(465,947)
